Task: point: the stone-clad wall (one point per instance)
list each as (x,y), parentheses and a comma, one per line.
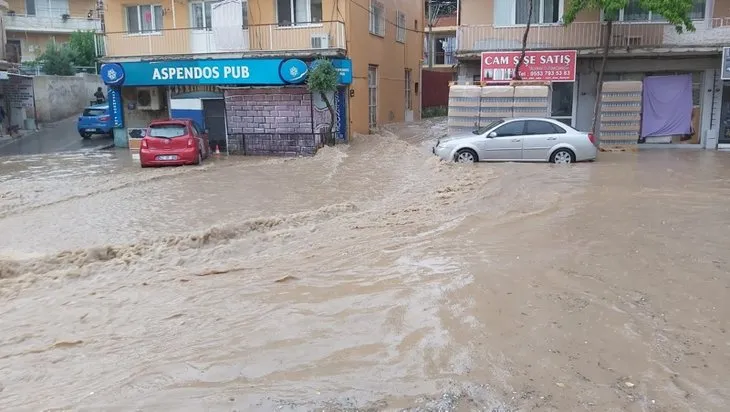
(269,110)
(270,121)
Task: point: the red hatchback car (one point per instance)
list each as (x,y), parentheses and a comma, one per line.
(173,142)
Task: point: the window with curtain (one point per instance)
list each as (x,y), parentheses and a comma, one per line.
(377,18)
(297,12)
(144,18)
(633,12)
(509,12)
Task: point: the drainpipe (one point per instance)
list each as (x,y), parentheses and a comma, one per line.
(174,22)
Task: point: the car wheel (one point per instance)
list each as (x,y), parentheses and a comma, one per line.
(466,156)
(199,159)
(562,156)
(85,135)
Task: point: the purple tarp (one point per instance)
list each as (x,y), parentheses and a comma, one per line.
(667,106)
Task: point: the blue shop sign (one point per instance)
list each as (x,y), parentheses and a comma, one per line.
(215,72)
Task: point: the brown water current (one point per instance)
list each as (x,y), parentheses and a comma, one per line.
(369,277)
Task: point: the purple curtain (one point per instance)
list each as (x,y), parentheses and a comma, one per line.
(667,106)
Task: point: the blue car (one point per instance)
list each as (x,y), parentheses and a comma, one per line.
(95,120)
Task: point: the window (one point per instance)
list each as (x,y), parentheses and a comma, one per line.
(377,18)
(540,127)
(144,18)
(201,14)
(372,96)
(409,103)
(297,12)
(634,13)
(510,12)
(561,102)
(400,31)
(168,130)
(516,128)
(30,7)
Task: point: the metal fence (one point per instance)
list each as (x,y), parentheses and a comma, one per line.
(278,144)
(37,69)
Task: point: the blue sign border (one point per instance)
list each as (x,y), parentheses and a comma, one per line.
(248,72)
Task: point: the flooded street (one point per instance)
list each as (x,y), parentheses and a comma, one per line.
(369,277)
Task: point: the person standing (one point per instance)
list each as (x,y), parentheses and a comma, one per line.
(99,96)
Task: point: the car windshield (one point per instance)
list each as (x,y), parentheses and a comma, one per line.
(484,129)
(94,112)
(167,130)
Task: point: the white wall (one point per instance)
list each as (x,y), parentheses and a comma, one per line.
(59,97)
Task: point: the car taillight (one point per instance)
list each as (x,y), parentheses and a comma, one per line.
(190,142)
(591,138)
(104,118)
(144,144)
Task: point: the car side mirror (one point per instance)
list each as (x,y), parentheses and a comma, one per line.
(492,135)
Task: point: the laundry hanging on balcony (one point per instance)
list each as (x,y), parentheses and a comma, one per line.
(228,25)
(667,106)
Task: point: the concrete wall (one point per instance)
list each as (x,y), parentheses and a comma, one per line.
(59,97)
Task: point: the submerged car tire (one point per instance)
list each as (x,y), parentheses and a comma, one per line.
(199,159)
(466,156)
(562,156)
(85,135)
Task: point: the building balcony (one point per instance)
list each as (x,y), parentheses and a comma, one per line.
(320,37)
(587,37)
(440,60)
(61,23)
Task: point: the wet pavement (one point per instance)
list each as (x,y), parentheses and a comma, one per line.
(61,136)
(370,277)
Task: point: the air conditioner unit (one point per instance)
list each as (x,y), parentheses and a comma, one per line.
(320,41)
(148,98)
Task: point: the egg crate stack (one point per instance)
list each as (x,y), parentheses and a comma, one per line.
(620,113)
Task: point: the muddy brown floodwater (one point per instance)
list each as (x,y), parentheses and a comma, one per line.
(370,277)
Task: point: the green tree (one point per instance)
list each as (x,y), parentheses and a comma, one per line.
(322,79)
(57,60)
(83,47)
(676,12)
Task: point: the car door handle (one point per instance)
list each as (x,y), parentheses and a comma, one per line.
(515,140)
(552,138)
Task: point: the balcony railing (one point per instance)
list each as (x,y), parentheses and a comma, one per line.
(49,23)
(318,36)
(589,35)
(440,58)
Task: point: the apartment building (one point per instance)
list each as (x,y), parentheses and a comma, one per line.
(32,24)
(238,67)
(642,46)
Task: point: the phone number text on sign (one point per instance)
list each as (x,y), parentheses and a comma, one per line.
(553,65)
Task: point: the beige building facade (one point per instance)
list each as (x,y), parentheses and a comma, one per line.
(641,45)
(376,45)
(32,24)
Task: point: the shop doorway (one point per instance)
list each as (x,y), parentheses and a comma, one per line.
(214,113)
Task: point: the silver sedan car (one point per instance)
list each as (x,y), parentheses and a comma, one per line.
(518,140)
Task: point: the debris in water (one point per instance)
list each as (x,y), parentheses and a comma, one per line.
(629,384)
(67,344)
(286,278)
(559,384)
(215,272)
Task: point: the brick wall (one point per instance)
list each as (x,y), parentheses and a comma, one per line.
(270,121)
